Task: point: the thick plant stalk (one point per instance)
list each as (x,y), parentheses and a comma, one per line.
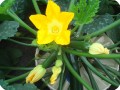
(103,56)
(92,80)
(105,70)
(98,73)
(74,73)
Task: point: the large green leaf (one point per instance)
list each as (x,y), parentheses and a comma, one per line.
(3,83)
(20,7)
(105,7)
(64,4)
(98,23)
(5,6)
(8,29)
(85,11)
(25,87)
(115,34)
(17,86)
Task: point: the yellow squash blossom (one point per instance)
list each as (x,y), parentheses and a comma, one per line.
(97,48)
(36,74)
(56,71)
(52,26)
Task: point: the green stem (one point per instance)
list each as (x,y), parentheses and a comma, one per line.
(25,38)
(17,78)
(117,60)
(74,29)
(79,31)
(71,4)
(49,60)
(107,28)
(75,74)
(105,56)
(105,70)
(92,80)
(15,68)
(114,45)
(22,23)
(36,6)
(61,78)
(113,70)
(21,43)
(97,72)
(76,67)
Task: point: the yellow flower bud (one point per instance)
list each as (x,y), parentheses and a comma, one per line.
(56,71)
(36,74)
(97,48)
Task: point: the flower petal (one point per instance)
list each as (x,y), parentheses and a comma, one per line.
(52,10)
(63,38)
(39,74)
(43,37)
(66,18)
(39,20)
(30,76)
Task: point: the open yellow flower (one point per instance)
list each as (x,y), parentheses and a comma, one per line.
(52,26)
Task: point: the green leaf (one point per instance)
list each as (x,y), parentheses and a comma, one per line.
(64,4)
(3,83)
(20,7)
(98,23)
(85,11)
(105,7)
(17,86)
(8,29)
(10,88)
(5,6)
(25,87)
(115,34)
(4,17)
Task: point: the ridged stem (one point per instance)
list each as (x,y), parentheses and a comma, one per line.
(74,73)
(36,7)
(105,56)
(22,23)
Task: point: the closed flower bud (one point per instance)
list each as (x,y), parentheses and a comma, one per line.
(56,71)
(97,48)
(58,63)
(36,74)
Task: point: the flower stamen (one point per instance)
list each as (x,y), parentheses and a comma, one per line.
(55,29)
